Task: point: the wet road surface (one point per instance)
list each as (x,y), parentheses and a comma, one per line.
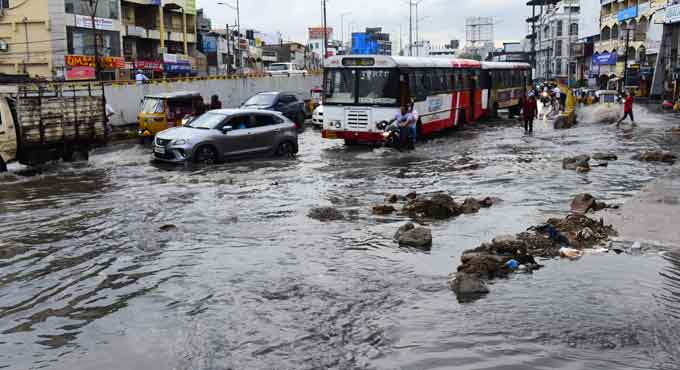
(248,281)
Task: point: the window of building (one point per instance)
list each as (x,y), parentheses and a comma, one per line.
(573,29)
(558,68)
(105,8)
(558,48)
(81,42)
(558,29)
(605,34)
(615,32)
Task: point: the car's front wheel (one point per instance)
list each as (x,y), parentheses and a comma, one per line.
(206,155)
(285,149)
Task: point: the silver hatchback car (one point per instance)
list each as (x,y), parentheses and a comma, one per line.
(222,133)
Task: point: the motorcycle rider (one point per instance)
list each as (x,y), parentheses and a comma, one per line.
(404,119)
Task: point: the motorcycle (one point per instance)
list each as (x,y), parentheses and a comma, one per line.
(545,98)
(392,135)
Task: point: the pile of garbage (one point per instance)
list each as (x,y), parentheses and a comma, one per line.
(656,156)
(438,206)
(584,203)
(557,237)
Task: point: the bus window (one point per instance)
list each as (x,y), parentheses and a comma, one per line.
(435,81)
(466,79)
(339,86)
(379,86)
(448,76)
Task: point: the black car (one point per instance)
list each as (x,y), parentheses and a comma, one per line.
(286,103)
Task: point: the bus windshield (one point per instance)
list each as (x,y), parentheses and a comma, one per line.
(373,86)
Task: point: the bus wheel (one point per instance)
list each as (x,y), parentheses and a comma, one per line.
(349,142)
(462,120)
(495,110)
(3,165)
(419,131)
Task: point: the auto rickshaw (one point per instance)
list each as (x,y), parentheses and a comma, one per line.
(165,110)
(316,98)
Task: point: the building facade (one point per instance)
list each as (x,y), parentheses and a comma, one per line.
(58,41)
(623,40)
(553,28)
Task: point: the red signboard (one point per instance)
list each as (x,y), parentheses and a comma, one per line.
(80,73)
(155,66)
(88,61)
(316,33)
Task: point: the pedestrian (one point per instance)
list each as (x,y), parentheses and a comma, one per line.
(529,111)
(627,109)
(215,102)
(413,125)
(140,77)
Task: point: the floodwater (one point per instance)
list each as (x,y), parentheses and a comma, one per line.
(247,281)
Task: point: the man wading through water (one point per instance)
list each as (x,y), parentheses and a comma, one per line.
(627,109)
(530,111)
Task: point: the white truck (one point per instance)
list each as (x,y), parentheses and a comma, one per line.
(46,121)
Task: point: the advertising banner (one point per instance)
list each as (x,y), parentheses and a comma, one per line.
(88,61)
(672,14)
(628,13)
(209,44)
(153,65)
(316,33)
(189,6)
(84,21)
(80,73)
(605,59)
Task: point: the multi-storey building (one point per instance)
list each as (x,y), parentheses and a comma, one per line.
(623,39)
(55,38)
(553,28)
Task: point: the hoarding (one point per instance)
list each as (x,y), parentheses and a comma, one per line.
(84,21)
(672,14)
(80,73)
(316,33)
(605,59)
(628,13)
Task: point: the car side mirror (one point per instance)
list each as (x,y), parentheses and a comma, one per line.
(226,129)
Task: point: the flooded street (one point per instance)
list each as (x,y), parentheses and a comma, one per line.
(247,281)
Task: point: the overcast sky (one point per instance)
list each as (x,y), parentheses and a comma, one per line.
(444,19)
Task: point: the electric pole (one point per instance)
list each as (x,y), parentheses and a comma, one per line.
(325,35)
(625,62)
(93,13)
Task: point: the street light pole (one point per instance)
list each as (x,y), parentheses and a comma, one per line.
(342,28)
(410,28)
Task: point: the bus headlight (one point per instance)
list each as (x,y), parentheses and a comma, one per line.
(337,124)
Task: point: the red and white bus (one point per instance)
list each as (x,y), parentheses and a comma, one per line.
(361,91)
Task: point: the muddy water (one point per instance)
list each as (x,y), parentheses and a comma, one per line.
(247,281)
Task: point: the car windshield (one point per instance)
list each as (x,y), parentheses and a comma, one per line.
(278,67)
(207,121)
(375,86)
(261,99)
(152,105)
